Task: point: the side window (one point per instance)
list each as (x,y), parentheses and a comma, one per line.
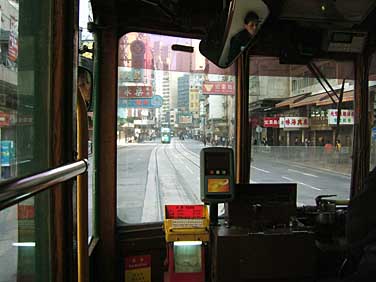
(295,134)
(170,105)
(25,89)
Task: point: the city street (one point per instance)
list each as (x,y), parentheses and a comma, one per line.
(152,174)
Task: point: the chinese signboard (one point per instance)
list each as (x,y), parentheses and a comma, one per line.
(138,268)
(13,42)
(347,117)
(135,91)
(218,88)
(271,122)
(155,102)
(130,75)
(185,118)
(293,122)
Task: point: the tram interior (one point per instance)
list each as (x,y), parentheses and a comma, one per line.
(264,235)
(239,220)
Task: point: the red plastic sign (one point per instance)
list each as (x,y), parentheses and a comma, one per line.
(184,211)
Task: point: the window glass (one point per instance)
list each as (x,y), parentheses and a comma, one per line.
(170,105)
(295,134)
(24,248)
(25,87)
(86,60)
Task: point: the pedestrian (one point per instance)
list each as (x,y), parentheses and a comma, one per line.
(264,141)
(338,145)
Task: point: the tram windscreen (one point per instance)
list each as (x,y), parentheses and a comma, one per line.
(160,88)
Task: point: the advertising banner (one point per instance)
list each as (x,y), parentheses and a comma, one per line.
(293,122)
(147,103)
(135,91)
(347,117)
(271,122)
(218,88)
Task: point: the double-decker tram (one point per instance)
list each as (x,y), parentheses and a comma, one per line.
(165,135)
(271,179)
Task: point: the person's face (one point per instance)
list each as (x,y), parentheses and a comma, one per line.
(251,27)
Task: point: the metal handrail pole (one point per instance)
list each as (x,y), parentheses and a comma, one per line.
(15,191)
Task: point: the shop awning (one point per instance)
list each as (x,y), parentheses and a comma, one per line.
(288,102)
(347,97)
(310,100)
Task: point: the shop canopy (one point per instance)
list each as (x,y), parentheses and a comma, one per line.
(347,97)
(320,99)
(289,101)
(310,100)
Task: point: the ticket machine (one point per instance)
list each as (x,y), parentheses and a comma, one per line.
(187,233)
(216,178)
(217,174)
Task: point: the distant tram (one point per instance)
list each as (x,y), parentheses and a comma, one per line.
(165,135)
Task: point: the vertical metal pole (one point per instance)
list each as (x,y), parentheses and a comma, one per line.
(362,127)
(242,149)
(82,193)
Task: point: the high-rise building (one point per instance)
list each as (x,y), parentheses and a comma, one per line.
(183,93)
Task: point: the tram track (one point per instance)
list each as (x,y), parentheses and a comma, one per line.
(186,194)
(184,151)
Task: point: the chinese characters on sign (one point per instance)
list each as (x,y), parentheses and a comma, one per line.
(293,122)
(135,91)
(271,122)
(218,88)
(347,117)
(154,102)
(132,75)
(186,119)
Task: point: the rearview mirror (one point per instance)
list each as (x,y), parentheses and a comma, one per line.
(233,31)
(85,85)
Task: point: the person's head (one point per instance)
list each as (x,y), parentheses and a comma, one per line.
(251,21)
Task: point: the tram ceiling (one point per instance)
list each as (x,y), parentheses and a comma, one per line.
(290,21)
